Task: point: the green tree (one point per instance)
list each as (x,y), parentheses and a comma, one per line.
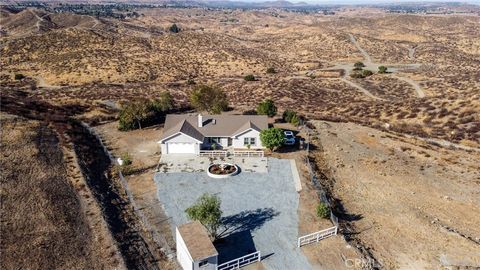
(163,103)
(322,210)
(133,114)
(136,112)
(267,107)
(272,138)
(271,70)
(359,65)
(209,98)
(207,211)
(382,69)
(249,78)
(174,28)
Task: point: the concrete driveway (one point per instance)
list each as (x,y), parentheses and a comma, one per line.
(259,210)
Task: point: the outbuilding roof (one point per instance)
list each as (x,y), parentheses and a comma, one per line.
(213,125)
(197,241)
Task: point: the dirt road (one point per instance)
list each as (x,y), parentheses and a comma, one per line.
(418,90)
(367,57)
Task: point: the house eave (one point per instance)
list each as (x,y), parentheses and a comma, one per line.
(175,134)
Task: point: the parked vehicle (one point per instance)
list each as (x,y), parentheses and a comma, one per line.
(289,138)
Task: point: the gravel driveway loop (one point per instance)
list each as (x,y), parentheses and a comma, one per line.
(260,210)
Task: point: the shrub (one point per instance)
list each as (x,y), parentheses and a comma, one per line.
(267,107)
(207,211)
(174,28)
(295,120)
(19,76)
(126,158)
(323,210)
(357,75)
(271,70)
(208,98)
(272,138)
(382,69)
(287,115)
(359,65)
(367,73)
(249,78)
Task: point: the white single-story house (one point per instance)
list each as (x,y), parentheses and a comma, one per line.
(194,248)
(190,133)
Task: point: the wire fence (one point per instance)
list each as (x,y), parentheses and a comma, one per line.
(322,196)
(159,239)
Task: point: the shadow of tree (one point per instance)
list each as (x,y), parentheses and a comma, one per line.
(236,239)
(249,220)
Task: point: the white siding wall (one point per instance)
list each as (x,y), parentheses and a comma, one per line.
(212,264)
(183,256)
(238,141)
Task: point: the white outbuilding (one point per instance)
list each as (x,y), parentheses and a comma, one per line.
(194,248)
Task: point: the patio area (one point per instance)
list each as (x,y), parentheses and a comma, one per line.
(191,163)
(259,208)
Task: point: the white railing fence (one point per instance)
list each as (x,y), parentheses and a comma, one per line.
(212,153)
(316,236)
(242,153)
(240,262)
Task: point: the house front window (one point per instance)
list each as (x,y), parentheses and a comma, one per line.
(249,141)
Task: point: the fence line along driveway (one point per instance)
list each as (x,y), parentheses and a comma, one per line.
(259,210)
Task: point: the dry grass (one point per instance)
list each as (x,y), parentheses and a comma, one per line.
(44,225)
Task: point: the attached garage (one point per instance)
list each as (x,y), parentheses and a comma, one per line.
(180,143)
(181,148)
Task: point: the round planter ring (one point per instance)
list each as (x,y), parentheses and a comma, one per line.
(219,176)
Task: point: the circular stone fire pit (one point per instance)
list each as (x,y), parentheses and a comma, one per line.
(222,170)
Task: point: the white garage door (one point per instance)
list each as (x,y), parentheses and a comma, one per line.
(181,148)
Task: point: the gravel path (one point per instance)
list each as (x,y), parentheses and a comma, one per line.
(259,208)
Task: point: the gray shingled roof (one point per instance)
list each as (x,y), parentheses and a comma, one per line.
(213,125)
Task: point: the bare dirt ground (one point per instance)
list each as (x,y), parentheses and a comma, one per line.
(413,205)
